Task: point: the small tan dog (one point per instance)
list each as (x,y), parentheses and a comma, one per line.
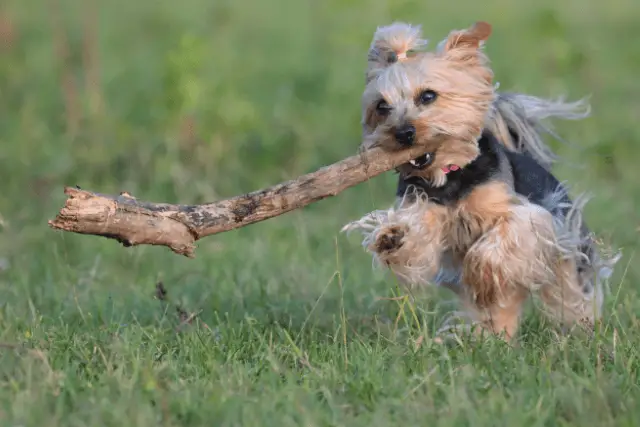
(480,213)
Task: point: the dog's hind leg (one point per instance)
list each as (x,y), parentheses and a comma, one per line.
(577,294)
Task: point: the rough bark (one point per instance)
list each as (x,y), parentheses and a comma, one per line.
(133,222)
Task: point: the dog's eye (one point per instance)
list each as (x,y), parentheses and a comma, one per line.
(427,97)
(383,108)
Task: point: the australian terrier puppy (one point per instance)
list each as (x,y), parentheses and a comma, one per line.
(480,213)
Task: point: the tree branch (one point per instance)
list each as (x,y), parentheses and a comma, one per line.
(133,222)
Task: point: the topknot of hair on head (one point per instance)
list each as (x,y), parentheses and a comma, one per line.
(392,43)
(397,39)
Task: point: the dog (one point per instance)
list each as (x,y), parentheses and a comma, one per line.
(481,213)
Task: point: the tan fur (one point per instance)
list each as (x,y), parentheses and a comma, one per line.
(501,130)
(479,212)
(493,248)
(452,124)
(566,300)
(410,241)
(504,246)
(391,44)
(524,113)
(503,318)
(515,253)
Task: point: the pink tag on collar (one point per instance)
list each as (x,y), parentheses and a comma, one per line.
(450,168)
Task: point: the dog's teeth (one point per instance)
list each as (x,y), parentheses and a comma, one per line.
(413,162)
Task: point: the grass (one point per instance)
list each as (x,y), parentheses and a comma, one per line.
(289,324)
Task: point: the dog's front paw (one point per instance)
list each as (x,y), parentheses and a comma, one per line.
(389,239)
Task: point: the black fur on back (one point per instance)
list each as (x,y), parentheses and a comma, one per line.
(494,163)
(533,181)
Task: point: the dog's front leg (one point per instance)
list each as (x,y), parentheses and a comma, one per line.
(509,261)
(408,239)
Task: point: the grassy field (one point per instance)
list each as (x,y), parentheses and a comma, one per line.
(196,101)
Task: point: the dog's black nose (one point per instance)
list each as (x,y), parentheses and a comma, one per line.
(406,134)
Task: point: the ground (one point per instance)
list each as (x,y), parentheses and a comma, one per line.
(284,322)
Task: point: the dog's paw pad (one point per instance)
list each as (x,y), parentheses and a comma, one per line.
(390,239)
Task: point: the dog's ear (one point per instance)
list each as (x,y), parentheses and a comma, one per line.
(391,44)
(466,41)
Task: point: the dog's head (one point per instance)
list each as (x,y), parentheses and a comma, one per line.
(436,99)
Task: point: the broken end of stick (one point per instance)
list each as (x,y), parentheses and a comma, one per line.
(126,221)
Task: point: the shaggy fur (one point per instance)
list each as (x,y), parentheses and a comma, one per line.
(480,213)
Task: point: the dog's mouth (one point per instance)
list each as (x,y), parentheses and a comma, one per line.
(422,161)
(425,160)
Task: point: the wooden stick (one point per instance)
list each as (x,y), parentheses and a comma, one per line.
(133,222)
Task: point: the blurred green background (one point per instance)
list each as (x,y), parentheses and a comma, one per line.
(194,101)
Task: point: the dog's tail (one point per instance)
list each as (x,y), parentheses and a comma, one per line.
(518,120)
